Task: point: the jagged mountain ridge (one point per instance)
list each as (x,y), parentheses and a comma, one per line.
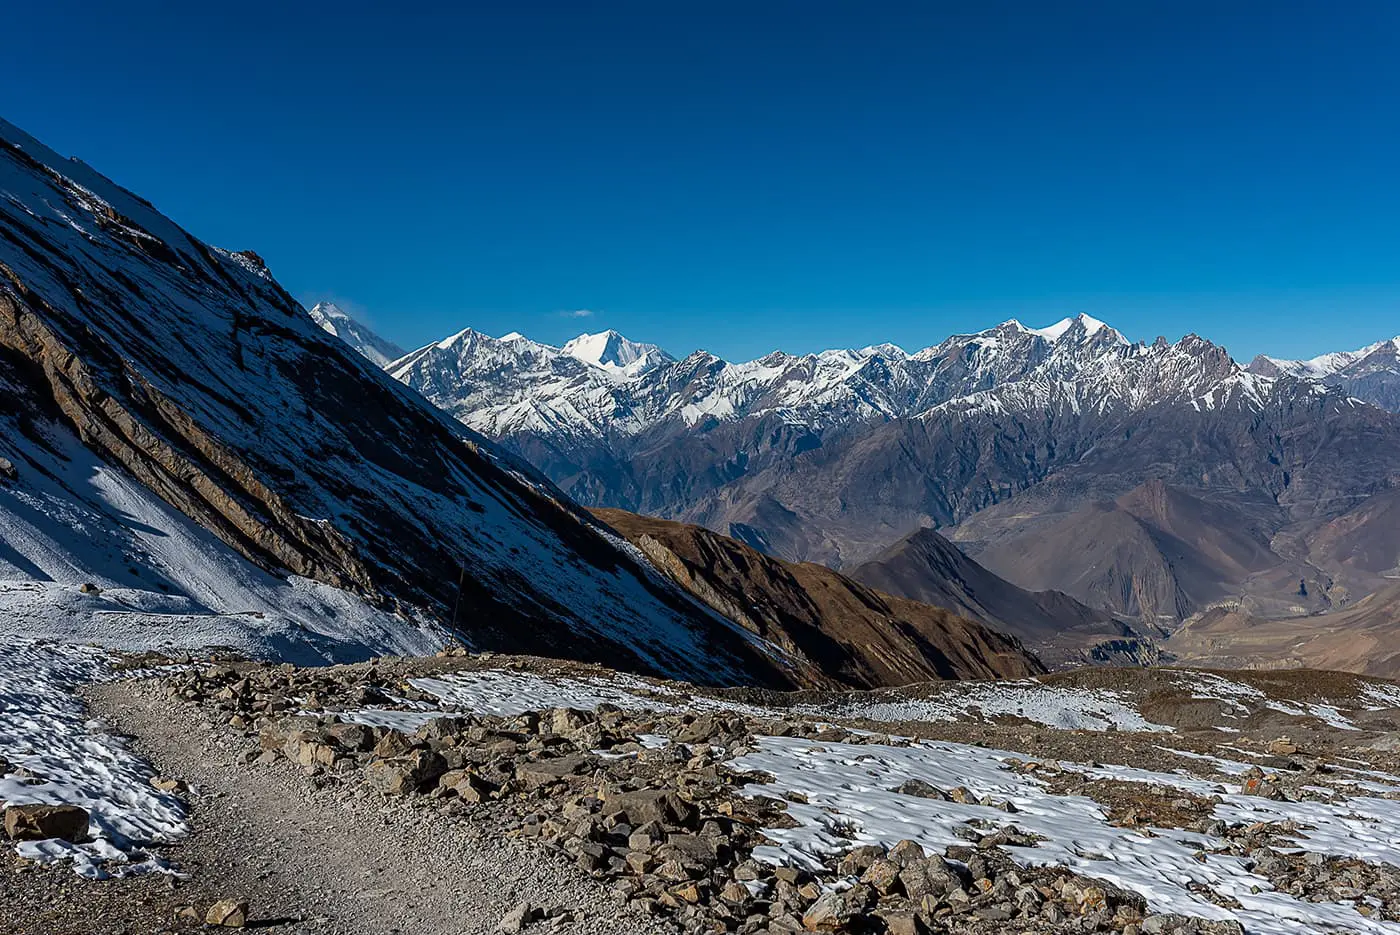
(511,385)
(1371,373)
(192,373)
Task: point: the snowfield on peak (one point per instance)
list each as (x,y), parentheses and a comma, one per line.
(507,387)
(1371,373)
(512,387)
(361,339)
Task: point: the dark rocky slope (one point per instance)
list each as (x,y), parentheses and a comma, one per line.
(927,567)
(194,371)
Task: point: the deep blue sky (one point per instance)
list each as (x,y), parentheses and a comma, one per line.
(744,176)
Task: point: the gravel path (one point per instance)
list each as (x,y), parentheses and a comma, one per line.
(325,862)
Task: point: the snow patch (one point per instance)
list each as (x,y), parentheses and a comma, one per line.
(44,729)
(1052,705)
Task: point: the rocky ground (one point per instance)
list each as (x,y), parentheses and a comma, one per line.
(484,794)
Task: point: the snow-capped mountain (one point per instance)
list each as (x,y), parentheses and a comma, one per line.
(1371,373)
(366,342)
(615,354)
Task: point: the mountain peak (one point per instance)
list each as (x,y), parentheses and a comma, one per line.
(613,352)
(1079,327)
(323,311)
(335,321)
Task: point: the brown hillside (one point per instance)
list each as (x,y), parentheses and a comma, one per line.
(839,631)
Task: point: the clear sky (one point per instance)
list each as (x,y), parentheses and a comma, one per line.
(748,175)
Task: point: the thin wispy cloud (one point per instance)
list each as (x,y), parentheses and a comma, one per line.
(577,313)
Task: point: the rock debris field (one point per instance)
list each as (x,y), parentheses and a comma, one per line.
(498,794)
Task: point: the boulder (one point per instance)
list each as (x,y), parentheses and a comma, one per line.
(465,785)
(42,822)
(516,920)
(407,774)
(353,737)
(546,772)
(567,721)
(228,913)
(306,748)
(647,805)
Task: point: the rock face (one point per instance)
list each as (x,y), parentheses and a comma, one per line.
(848,635)
(192,371)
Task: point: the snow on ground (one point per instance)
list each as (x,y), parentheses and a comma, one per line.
(1056,706)
(1380,695)
(1218,688)
(841,797)
(492,691)
(44,730)
(165,583)
(849,803)
(157,581)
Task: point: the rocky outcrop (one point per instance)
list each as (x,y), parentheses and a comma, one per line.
(839,631)
(40,822)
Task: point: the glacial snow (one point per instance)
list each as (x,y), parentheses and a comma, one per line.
(162,581)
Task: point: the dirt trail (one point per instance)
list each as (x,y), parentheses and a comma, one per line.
(325,862)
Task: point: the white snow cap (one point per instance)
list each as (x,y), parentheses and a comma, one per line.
(327,310)
(1058,330)
(1336,362)
(611,351)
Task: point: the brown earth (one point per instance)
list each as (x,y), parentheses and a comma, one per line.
(1361,638)
(843,633)
(927,567)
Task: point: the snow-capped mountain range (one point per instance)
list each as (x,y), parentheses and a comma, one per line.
(601,385)
(1371,373)
(1026,443)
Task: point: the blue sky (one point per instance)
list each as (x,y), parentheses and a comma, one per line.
(745,176)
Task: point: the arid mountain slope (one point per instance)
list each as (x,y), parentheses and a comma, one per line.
(842,632)
(927,567)
(1157,552)
(196,374)
(1364,638)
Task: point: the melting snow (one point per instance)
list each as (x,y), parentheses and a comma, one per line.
(44,729)
(849,802)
